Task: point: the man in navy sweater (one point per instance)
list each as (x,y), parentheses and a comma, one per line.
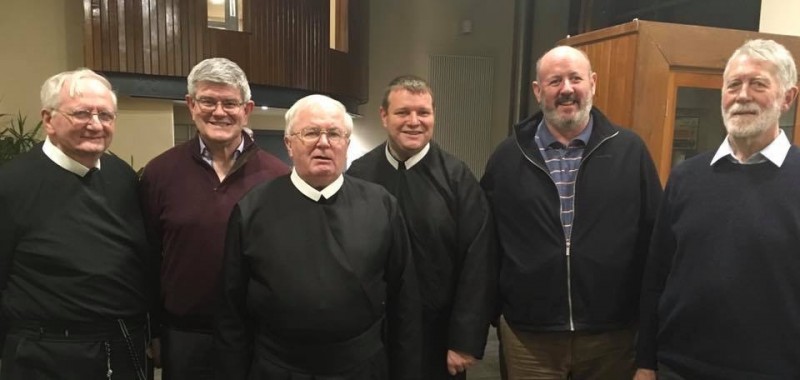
(721,293)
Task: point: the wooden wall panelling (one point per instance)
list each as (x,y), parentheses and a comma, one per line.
(112,42)
(231,45)
(286,42)
(88,48)
(124,31)
(170,37)
(97,35)
(163,57)
(146,38)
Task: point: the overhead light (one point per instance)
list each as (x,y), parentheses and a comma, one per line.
(264,108)
(217,2)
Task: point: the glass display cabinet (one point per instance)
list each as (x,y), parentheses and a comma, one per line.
(664,82)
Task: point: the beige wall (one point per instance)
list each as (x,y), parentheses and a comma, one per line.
(43,37)
(144,130)
(780,17)
(404,33)
(37,39)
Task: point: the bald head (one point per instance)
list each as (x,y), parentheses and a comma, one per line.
(562,52)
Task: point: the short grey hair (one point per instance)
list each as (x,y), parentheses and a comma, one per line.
(50,95)
(770,51)
(219,71)
(316,102)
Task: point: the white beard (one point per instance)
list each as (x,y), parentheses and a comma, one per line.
(745,126)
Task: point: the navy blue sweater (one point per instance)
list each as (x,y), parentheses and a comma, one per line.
(721,295)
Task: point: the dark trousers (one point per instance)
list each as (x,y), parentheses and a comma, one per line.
(187,355)
(30,355)
(567,355)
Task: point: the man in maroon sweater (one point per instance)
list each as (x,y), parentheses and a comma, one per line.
(188,193)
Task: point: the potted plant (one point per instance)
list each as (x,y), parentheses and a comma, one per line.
(15,139)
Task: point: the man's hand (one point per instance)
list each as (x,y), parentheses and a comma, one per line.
(644,374)
(154,352)
(458,362)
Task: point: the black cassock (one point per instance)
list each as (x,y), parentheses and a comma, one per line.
(318,290)
(454,247)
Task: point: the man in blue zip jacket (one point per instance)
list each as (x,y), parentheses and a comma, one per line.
(575,199)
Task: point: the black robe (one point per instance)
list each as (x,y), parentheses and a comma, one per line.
(454,247)
(318,290)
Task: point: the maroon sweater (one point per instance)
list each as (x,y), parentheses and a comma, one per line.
(187,209)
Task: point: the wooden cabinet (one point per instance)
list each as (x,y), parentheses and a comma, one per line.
(664,82)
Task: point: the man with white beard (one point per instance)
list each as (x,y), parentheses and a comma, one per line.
(721,293)
(574,198)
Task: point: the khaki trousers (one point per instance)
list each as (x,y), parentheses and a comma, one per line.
(567,355)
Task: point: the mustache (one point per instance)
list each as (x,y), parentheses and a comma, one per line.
(566,99)
(749,107)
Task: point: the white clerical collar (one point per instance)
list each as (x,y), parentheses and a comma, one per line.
(61,159)
(775,152)
(411,161)
(313,193)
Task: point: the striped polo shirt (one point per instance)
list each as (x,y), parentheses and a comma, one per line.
(562,163)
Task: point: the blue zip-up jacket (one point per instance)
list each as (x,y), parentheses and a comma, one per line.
(594,284)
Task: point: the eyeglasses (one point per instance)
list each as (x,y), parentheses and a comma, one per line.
(210,104)
(86,116)
(313,134)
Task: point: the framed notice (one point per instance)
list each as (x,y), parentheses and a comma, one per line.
(685,134)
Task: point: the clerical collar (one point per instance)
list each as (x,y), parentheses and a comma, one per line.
(206,154)
(313,193)
(411,161)
(775,152)
(61,159)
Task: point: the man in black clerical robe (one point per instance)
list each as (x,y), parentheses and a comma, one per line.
(76,274)
(318,280)
(450,229)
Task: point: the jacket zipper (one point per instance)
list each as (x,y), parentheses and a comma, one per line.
(567,238)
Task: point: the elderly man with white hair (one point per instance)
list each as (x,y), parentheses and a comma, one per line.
(721,292)
(318,281)
(76,274)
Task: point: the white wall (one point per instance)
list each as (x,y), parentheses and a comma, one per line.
(404,33)
(780,17)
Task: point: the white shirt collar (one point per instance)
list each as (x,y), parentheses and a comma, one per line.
(775,152)
(313,193)
(61,159)
(411,161)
